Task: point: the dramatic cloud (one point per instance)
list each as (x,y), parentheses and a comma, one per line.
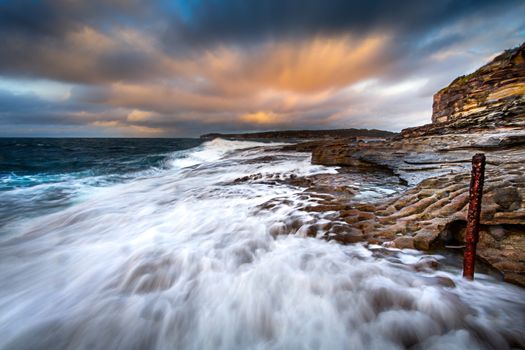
(210,22)
(182,68)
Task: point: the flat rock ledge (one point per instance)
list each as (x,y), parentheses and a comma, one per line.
(431,213)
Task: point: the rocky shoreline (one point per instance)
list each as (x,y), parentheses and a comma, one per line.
(483,112)
(301,135)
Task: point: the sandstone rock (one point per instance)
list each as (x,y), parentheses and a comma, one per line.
(515,278)
(434,162)
(404,242)
(510,266)
(445,281)
(278,229)
(507,197)
(424,239)
(426,263)
(352,236)
(492,88)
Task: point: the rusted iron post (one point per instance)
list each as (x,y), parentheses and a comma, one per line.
(474,210)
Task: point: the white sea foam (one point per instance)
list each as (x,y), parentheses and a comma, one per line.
(184,259)
(209,151)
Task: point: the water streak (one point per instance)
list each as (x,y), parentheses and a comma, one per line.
(183,258)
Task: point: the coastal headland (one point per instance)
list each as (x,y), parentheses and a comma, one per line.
(483,112)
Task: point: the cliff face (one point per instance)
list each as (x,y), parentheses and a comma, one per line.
(494,87)
(491,98)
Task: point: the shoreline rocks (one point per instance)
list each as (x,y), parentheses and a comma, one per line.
(497,87)
(291,135)
(482,112)
(429,166)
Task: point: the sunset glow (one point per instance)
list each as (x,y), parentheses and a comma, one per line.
(119,68)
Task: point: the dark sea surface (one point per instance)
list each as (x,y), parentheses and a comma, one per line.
(42,174)
(30,161)
(155,244)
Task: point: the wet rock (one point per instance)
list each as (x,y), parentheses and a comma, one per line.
(389,244)
(278,229)
(347,237)
(507,197)
(404,242)
(339,229)
(307,231)
(443,281)
(364,207)
(294,224)
(424,239)
(426,263)
(515,278)
(325,207)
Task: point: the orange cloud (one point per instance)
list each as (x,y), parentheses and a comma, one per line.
(322,63)
(275,83)
(139,116)
(260,118)
(306,66)
(107,123)
(128,129)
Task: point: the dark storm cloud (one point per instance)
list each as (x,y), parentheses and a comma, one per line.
(38,39)
(53,18)
(207,22)
(167,68)
(24,109)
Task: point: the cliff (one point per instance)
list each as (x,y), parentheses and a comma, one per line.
(484,111)
(495,87)
(491,98)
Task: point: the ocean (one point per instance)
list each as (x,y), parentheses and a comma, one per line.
(156,244)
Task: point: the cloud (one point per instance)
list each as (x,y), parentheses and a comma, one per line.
(260,118)
(123,129)
(54,18)
(212,22)
(301,66)
(139,116)
(85,55)
(182,68)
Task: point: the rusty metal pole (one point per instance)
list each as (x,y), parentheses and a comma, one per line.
(474,210)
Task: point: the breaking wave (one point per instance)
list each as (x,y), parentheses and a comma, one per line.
(180,256)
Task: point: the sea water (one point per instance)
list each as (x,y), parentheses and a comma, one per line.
(152,244)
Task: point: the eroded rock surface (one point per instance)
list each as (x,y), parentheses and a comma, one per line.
(482,112)
(497,87)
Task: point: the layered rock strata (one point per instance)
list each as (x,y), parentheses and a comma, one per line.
(498,86)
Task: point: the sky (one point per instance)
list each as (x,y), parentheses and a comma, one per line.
(160,68)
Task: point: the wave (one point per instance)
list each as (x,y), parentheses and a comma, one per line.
(210,151)
(185,257)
